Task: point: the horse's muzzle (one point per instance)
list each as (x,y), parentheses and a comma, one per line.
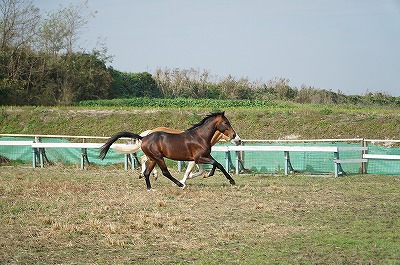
(235,139)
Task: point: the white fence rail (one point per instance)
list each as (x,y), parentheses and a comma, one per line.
(39,147)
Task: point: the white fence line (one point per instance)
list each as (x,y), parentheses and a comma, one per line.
(362,159)
(381,141)
(381,156)
(57,136)
(305,140)
(246,140)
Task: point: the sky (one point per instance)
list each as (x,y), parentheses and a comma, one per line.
(347,46)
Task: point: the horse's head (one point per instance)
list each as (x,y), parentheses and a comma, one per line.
(224,126)
(236,141)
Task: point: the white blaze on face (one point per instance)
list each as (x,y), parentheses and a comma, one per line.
(236,140)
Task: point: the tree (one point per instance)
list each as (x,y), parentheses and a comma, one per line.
(18,23)
(133,85)
(18,26)
(40,60)
(83,77)
(52,34)
(61,30)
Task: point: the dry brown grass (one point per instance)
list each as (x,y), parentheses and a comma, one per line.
(62,215)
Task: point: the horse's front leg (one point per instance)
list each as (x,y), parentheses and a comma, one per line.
(215,164)
(211,173)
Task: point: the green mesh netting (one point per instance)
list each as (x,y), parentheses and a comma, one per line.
(314,162)
(307,162)
(266,162)
(23,154)
(383,167)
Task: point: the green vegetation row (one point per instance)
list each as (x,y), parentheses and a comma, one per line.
(222,104)
(214,104)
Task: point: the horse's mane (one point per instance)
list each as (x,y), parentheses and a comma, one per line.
(206,118)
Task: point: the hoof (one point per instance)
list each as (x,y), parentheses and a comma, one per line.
(232,182)
(183,181)
(153,190)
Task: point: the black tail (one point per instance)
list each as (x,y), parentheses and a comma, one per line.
(106,146)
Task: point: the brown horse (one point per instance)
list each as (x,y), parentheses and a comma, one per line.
(216,138)
(194,144)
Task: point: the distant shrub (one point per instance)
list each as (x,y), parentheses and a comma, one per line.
(178,103)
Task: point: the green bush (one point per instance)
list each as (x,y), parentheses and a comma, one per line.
(128,85)
(178,103)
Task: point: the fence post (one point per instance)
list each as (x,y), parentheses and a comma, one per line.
(363,168)
(126,161)
(40,152)
(35,152)
(336,156)
(288,165)
(227,153)
(83,155)
(34,157)
(85,158)
(237,162)
(338,167)
(133,161)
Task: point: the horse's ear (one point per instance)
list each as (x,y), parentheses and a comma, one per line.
(223,113)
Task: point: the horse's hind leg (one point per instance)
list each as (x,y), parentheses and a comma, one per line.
(143,160)
(165,171)
(149,167)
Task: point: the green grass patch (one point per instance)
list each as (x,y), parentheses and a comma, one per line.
(278,120)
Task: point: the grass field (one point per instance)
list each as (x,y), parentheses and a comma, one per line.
(61,215)
(279,121)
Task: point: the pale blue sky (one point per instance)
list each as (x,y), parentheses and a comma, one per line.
(347,45)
